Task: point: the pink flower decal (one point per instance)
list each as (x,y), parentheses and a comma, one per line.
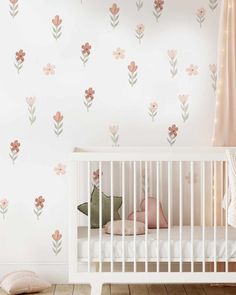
(158,7)
(173,62)
(139,4)
(56,27)
(114,15)
(14,150)
(95,178)
(60,169)
(132,67)
(119,53)
(192,70)
(14,8)
(88,98)
(31,108)
(172,134)
(56,242)
(58,123)
(20,58)
(49,69)
(3,207)
(184,106)
(139,32)
(201,16)
(38,206)
(213,4)
(114,129)
(85,51)
(213,70)
(152,110)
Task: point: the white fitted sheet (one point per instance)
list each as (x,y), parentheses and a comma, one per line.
(163,245)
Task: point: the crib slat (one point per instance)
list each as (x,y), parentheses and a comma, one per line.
(169,213)
(112,215)
(203,214)
(180,215)
(211,194)
(89,218)
(192,215)
(158,210)
(123,216)
(226,218)
(135,195)
(215,200)
(100,216)
(146,217)
(221,194)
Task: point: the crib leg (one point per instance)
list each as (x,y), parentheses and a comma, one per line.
(96,288)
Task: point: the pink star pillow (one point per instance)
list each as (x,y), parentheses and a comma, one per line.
(152,214)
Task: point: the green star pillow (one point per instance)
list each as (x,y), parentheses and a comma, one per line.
(106,208)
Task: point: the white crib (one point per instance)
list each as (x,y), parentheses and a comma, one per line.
(198,245)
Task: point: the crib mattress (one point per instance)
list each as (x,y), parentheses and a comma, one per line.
(163,245)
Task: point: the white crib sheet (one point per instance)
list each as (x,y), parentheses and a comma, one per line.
(163,245)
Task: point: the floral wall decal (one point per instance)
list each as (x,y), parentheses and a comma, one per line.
(39,205)
(114,15)
(119,53)
(88,98)
(188,178)
(3,207)
(14,150)
(201,16)
(49,69)
(213,70)
(20,58)
(58,123)
(56,27)
(213,4)
(95,178)
(56,242)
(184,106)
(173,62)
(85,51)
(139,4)
(132,67)
(152,110)
(192,70)
(172,134)
(158,7)
(139,32)
(114,129)
(31,109)
(14,7)
(60,169)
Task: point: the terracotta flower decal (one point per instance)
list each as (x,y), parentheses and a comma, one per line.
(184,106)
(56,242)
(49,69)
(3,207)
(213,4)
(201,16)
(192,70)
(60,169)
(119,53)
(95,178)
(88,98)
(31,108)
(85,52)
(152,110)
(173,62)
(56,27)
(139,4)
(158,7)
(14,8)
(213,70)
(172,134)
(14,150)
(114,129)
(58,123)
(38,206)
(114,15)
(139,32)
(132,67)
(19,60)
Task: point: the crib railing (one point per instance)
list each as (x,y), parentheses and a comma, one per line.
(190,184)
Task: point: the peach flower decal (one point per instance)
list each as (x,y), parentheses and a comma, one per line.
(201,16)
(31,108)
(3,207)
(14,8)
(213,70)
(39,205)
(95,178)
(114,15)
(184,106)
(56,242)
(139,32)
(158,7)
(20,58)
(85,51)
(114,129)
(172,134)
(119,53)
(58,123)
(56,27)
(152,110)
(132,67)
(139,4)
(88,98)
(213,4)
(60,169)
(192,70)
(49,69)
(173,62)
(14,150)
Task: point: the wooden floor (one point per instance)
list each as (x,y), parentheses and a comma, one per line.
(140,290)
